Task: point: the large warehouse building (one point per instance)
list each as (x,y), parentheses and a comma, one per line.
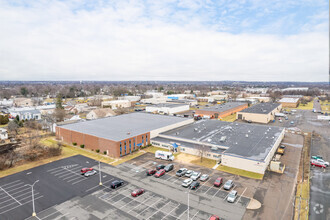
(243,146)
(222,110)
(260,113)
(119,135)
(167,108)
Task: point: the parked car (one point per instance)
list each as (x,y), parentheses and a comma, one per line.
(160,166)
(218,182)
(169,167)
(232,196)
(86,169)
(90,173)
(116,184)
(280,150)
(204,177)
(315,163)
(187,182)
(292,122)
(137,192)
(188,173)
(317,157)
(228,185)
(194,185)
(324,162)
(195,175)
(160,173)
(181,172)
(151,172)
(215,217)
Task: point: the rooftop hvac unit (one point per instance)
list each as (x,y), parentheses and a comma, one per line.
(209,140)
(214,148)
(223,138)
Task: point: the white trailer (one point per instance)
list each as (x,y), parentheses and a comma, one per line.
(164,155)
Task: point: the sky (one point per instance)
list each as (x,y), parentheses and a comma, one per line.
(187,40)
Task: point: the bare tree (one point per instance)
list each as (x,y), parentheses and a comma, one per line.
(201,151)
(13,127)
(59,114)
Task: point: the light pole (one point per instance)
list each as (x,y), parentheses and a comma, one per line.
(188,203)
(34,210)
(100,173)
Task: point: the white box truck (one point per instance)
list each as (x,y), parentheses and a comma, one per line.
(164,155)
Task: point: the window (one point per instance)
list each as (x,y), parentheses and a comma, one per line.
(182,149)
(208,155)
(216,156)
(120,150)
(146,138)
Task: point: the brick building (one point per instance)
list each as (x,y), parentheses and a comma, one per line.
(119,135)
(222,110)
(289,102)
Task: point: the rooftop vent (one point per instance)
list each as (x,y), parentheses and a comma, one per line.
(249,131)
(209,140)
(195,129)
(128,133)
(177,133)
(246,135)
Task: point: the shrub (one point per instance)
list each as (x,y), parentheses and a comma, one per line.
(97,150)
(104,152)
(82,146)
(74,143)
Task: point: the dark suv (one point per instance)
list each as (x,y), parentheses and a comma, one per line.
(160,166)
(169,167)
(116,184)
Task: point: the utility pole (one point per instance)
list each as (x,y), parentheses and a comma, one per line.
(33,207)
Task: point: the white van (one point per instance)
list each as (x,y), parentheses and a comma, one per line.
(164,155)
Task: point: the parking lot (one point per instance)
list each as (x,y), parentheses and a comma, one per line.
(58,182)
(244,186)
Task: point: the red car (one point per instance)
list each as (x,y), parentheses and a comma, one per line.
(137,192)
(160,173)
(317,164)
(84,170)
(151,172)
(214,217)
(218,182)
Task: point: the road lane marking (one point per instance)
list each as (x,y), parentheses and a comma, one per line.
(241,195)
(172,211)
(149,207)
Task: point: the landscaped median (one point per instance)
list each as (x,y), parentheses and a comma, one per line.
(229,118)
(302,200)
(240,172)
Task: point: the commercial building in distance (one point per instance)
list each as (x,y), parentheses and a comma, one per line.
(221,110)
(119,135)
(167,108)
(289,102)
(260,113)
(239,145)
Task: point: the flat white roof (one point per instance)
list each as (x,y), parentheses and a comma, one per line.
(293,100)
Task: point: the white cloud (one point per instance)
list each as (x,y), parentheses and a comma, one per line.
(50,42)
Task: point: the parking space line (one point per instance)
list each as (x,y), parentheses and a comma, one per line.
(15,188)
(141,203)
(62,215)
(241,195)
(10,183)
(11,196)
(19,205)
(195,215)
(217,191)
(172,211)
(97,185)
(12,186)
(149,207)
(228,192)
(133,200)
(208,189)
(159,209)
(182,214)
(52,213)
(202,185)
(179,178)
(27,188)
